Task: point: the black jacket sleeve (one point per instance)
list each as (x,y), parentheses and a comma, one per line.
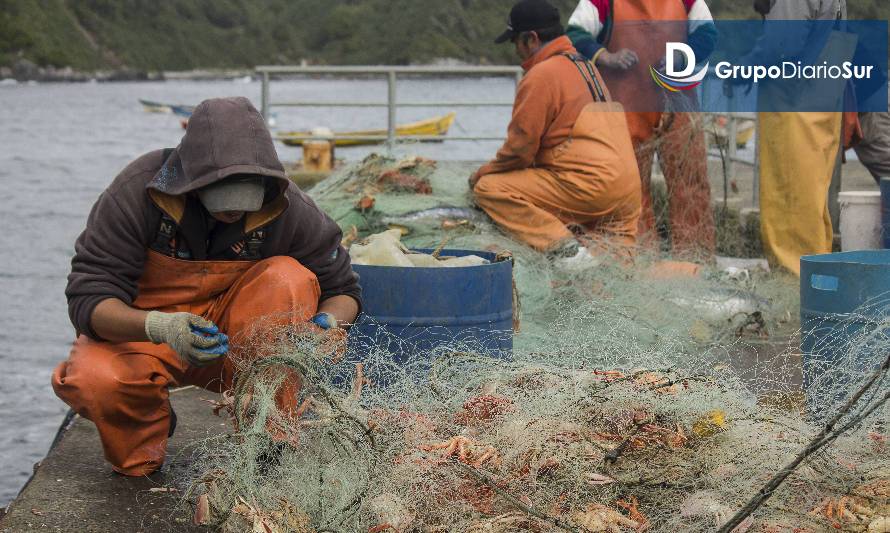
(315,241)
(109,255)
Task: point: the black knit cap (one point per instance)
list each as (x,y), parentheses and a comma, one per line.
(529,15)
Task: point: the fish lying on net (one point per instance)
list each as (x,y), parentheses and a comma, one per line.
(720,305)
(436,214)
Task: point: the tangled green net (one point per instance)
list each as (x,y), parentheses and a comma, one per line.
(632,402)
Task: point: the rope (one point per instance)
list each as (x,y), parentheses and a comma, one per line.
(825,437)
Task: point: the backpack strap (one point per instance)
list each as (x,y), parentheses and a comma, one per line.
(593,84)
(254,245)
(165,237)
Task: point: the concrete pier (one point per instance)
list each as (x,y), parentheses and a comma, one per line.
(74,489)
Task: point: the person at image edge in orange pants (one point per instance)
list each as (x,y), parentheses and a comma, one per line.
(624,38)
(568,162)
(187,248)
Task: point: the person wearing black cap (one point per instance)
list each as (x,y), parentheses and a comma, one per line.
(568,161)
(532,16)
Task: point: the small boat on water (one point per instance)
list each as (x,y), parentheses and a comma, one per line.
(184,111)
(432,130)
(155,107)
(176,109)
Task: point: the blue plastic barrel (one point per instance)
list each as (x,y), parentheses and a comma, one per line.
(885,211)
(412,311)
(844,298)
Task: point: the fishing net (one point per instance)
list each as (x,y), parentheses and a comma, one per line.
(595,433)
(711,304)
(636,398)
(677,164)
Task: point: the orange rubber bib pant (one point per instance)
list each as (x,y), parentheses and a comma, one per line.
(590,180)
(645,26)
(122,388)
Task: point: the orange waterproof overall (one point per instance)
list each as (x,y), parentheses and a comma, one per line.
(122,388)
(589,181)
(645,26)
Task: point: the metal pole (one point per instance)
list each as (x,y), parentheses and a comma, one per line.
(264,98)
(756,200)
(383,70)
(733,147)
(391,101)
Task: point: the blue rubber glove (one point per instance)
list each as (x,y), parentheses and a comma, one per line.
(196,339)
(325,321)
(213,334)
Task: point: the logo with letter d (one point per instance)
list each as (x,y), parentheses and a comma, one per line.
(679,80)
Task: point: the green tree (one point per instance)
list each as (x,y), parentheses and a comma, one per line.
(185,34)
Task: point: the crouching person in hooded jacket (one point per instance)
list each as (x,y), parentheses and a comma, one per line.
(188,248)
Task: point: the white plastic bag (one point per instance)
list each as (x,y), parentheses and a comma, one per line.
(386,249)
(383,249)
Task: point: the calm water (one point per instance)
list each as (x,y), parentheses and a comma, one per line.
(61,145)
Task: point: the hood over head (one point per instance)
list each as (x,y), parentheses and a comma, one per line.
(225,137)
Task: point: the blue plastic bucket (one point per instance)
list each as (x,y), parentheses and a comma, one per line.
(412,311)
(885,211)
(844,299)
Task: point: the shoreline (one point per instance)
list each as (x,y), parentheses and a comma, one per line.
(9,76)
(24,71)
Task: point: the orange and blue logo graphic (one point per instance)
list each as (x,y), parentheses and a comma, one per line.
(676,81)
(678,84)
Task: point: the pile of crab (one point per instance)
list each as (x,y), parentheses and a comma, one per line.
(488,446)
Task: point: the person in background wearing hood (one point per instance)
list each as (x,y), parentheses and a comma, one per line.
(568,161)
(185,249)
(624,38)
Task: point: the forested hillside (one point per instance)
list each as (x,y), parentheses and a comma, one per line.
(154,35)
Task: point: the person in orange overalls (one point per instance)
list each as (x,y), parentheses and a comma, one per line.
(567,167)
(624,38)
(189,248)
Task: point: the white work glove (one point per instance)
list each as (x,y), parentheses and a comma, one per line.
(196,339)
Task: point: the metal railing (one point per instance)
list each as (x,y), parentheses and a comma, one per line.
(391,74)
